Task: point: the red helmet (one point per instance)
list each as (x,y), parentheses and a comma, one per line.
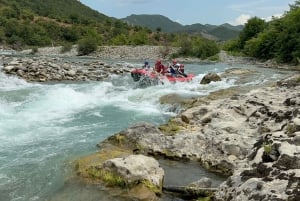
(174,61)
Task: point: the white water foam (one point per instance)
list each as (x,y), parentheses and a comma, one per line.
(8,83)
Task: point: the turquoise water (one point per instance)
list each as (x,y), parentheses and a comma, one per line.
(45,127)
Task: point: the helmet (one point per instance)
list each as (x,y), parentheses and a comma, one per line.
(174,61)
(146,62)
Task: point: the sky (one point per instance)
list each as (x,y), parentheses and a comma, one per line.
(187,12)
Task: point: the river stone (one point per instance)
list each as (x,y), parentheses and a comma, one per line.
(9,68)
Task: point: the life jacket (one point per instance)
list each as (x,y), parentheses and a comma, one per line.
(159,68)
(181,68)
(172,69)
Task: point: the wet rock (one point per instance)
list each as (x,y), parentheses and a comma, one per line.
(290,81)
(202,183)
(210,77)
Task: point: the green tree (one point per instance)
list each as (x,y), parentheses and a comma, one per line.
(252,28)
(280,40)
(289,36)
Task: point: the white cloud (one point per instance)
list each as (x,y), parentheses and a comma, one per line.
(273,16)
(241,20)
(263,9)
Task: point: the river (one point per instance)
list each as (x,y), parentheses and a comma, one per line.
(45,127)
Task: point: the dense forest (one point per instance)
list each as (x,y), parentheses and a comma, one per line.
(278,39)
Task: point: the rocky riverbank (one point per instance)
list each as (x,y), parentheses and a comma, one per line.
(254,137)
(45,69)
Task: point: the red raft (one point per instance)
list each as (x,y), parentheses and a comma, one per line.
(141,74)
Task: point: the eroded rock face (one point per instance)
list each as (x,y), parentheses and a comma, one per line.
(272,169)
(266,178)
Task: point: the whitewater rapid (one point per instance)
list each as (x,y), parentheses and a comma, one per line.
(45,127)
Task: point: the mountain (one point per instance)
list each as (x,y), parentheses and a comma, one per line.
(154,22)
(222,32)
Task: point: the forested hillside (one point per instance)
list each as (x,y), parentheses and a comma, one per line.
(278,39)
(55,22)
(36,23)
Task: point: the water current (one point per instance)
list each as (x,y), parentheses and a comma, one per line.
(45,127)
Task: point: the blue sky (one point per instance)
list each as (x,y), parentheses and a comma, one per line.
(188,12)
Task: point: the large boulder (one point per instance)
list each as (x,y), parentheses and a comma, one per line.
(140,176)
(136,169)
(210,77)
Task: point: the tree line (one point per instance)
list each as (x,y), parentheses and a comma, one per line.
(278,39)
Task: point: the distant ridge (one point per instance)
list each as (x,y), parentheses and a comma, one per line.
(154,22)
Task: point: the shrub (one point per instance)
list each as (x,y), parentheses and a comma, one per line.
(86,46)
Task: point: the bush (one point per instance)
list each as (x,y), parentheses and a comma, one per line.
(86,46)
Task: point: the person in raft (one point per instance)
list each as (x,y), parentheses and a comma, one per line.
(146,66)
(179,68)
(173,69)
(159,67)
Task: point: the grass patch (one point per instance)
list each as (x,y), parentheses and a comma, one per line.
(151,186)
(107,177)
(170,128)
(214,58)
(292,128)
(267,148)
